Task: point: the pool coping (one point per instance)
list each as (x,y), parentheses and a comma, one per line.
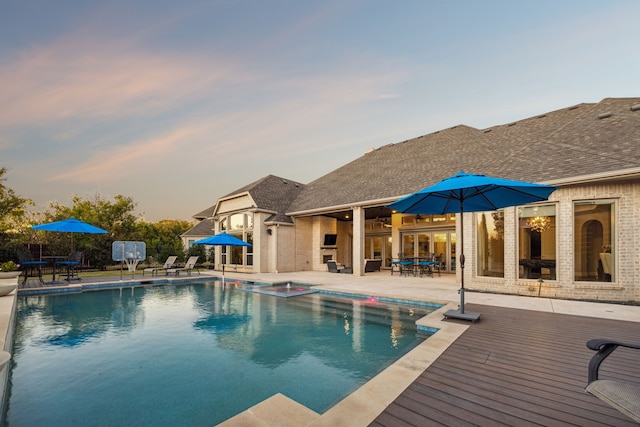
(362,406)
(358,409)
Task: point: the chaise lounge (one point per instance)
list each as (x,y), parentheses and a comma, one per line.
(188,267)
(622,395)
(167,265)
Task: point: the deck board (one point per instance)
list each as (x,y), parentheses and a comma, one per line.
(517,368)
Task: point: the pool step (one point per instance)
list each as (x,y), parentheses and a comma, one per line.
(377,313)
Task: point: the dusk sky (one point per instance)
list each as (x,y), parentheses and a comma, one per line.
(177,103)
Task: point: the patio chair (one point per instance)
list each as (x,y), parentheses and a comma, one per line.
(188,267)
(29,266)
(407,267)
(72,264)
(169,263)
(622,395)
(334,267)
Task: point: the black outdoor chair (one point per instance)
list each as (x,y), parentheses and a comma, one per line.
(29,266)
(622,395)
(72,265)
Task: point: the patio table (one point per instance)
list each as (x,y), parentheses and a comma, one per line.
(54,259)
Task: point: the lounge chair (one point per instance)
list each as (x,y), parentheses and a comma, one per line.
(335,268)
(188,267)
(622,395)
(167,265)
(372,265)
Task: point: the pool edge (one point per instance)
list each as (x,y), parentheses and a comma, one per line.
(362,406)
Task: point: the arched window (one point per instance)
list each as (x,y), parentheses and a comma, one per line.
(594,248)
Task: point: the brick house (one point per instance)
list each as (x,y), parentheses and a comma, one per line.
(584,243)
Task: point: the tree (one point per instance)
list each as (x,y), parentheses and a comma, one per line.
(163,239)
(115,216)
(13,215)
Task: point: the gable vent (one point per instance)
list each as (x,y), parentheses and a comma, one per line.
(635,107)
(604,115)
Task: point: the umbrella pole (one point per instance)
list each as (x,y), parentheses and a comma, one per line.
(461,259)
(460,313)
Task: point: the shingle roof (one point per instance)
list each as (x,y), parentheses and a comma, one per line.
(272,193)
(202,228)
(570,142)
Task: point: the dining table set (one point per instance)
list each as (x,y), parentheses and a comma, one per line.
(416,266)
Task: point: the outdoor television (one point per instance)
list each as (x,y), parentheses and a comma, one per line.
(330,239)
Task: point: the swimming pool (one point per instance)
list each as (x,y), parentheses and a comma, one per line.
(193,354)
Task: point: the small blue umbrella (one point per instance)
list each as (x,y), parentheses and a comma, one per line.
(222,239)
(465,192)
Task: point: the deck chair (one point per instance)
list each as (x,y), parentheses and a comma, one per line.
(167,265)
(30,267)
(72,265)
(622,395)
(334,267)
(188,267)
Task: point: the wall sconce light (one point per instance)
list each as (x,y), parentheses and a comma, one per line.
(269,231)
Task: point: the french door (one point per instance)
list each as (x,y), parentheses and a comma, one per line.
(441,243)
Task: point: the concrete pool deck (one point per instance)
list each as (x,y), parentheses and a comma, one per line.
(364,405)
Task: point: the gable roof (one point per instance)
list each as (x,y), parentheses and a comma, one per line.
(270,193)
(580,140)
(202,228)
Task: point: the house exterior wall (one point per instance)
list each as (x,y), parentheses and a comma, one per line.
(303,242)
(624,288)
(286,253)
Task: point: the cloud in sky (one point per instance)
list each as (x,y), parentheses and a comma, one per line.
(149,99)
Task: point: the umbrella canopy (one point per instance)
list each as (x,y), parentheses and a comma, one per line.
(470,193)
(222,239)
(70,225)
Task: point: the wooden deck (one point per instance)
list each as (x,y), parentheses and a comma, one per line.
(518,368)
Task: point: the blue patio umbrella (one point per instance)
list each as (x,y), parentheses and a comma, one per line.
(470,193)
(222,239)
(70,225)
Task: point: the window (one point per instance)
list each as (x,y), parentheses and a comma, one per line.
(490,249)
(249,239)
(239,226)
(537,242)
(594,248)
(236,222)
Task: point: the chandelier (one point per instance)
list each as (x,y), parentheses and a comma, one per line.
(539,223)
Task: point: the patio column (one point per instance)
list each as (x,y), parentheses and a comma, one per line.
(358,241)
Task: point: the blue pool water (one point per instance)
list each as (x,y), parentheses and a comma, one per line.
(193,354)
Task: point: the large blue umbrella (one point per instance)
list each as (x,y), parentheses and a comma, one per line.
(70,225)
(222,239)
(470,193)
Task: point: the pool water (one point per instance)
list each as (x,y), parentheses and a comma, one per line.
(193,354)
